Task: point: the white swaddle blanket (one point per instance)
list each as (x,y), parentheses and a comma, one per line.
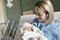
(36,33)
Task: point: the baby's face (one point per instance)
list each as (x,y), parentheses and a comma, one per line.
(27,28)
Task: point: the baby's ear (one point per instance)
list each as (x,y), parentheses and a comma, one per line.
(27,28)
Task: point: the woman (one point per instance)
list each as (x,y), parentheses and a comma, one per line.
(44,20)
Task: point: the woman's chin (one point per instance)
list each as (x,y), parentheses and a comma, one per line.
(40,20)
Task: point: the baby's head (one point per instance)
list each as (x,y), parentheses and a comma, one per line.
(27,26)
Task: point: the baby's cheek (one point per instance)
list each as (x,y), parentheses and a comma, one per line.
(27,28)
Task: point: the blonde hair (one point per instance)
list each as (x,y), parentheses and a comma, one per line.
(51,10)
(47,6)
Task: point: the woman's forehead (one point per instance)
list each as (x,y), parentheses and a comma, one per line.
(39,9)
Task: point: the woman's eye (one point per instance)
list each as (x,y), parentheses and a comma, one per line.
(40,14)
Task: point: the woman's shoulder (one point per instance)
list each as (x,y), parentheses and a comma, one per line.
(57,24)
(54,24)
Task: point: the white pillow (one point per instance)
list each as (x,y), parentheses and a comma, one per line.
(26,18)
(57,16)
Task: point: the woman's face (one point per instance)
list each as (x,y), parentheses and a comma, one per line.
(40,14)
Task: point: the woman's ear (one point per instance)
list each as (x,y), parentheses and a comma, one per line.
(47,15)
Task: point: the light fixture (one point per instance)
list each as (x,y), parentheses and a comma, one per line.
(9,4)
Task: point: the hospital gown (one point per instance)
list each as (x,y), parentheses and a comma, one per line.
(51,30)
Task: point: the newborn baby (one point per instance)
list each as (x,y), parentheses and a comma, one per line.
(30,31)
